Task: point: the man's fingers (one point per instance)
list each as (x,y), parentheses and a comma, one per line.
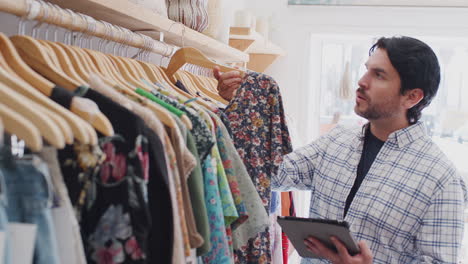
(232,81)
(229,75)
(311,247)
(365,250)
(322,250)
(342,250)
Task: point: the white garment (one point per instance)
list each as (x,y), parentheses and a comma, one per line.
(67,229)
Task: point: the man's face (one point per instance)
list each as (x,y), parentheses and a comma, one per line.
(378,96)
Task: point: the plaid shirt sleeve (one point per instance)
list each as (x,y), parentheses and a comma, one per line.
(441,232)
(296,172)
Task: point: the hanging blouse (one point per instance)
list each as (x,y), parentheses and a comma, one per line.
(232,178)
(255,218)
(197,195)
(261,137)
(219,252)
(178,140)
(180,228)
(119,213)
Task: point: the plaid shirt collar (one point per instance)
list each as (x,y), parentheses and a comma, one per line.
(401,137)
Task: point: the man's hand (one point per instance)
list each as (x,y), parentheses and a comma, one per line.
(342,257)
(228,83)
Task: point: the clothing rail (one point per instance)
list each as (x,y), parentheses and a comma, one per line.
(52,14)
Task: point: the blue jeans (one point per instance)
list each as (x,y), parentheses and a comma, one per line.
(29,199)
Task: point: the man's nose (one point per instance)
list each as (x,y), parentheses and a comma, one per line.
(363,81)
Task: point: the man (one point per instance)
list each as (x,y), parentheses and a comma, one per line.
(401,195)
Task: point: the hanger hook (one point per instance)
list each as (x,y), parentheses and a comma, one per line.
(122,41)
(55,17)
(69,33)
(21,23)
(152,46)
(40,21)
(148,44)
(81,34)
(59,11)
(109,36)
(101,40)
(91,29)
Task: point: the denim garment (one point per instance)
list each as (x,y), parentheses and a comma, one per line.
(29,199)
(4,219)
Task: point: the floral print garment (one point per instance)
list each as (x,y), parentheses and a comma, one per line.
(200,131)
(219,252)
(231,175)
(261,137)
(113,238)
(122,178)
(245,227)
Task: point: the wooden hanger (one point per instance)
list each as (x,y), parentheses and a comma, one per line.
(33,54)
(64,61)
(207,83)
(187,84)
(14,81)
(139,74)
(195,57)
(79,128)
(32,111)
(202,87)
(126,73)
(106,68)
(182,93)
(21,68)
(161,113)
(152,76)
(20,126)
(131,68)
(83,64)
(80,65)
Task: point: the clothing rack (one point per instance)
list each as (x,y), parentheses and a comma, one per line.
(52,14)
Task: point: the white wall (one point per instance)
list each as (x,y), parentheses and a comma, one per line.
(292,26)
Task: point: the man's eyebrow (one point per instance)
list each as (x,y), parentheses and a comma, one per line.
(376,69)
(380,70)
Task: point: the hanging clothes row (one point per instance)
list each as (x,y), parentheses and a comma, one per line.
(130,162)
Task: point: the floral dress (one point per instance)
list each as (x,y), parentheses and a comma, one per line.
(261,137)
(120,197)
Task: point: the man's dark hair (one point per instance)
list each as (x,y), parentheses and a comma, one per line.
(417,65)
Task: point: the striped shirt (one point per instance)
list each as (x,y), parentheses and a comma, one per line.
(408,209)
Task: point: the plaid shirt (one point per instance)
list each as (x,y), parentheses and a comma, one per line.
(408,209)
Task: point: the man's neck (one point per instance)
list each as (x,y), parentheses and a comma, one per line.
(383,128)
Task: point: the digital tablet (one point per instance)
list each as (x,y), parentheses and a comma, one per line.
(298,229)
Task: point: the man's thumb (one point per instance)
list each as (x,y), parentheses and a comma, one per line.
(216,72)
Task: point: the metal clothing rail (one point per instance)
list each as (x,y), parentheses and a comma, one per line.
(65,18)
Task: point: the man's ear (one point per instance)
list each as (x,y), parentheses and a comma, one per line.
(413,97)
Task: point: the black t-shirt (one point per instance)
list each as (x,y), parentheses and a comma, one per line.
(133,181)
(372,146)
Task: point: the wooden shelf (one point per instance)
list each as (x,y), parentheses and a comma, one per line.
(240,43)
(129,15)
(261,62)
(261,51)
